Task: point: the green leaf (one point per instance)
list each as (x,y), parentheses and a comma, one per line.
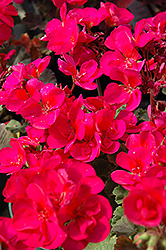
(120,193)
(15,126)
(107,244)
(124,227)
(164,91)
(117,215)
(124,243)
(48,76)
(141,114)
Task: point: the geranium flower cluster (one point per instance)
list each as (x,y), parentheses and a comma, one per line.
(54,191)
(56,197)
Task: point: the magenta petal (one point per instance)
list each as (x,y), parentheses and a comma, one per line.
(35,193)
(75,232)
(71,244)
(45,120)
(56,143)
(54,235)
(96,184)
(100,232)
(135,99)
(122,177)
(125,161)
(5,31)
(114,93)
(29,219)
(79,171)
(30,109)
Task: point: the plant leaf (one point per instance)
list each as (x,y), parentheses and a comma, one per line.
(118,213)
(124,243)
(120,193)
(15,126)
(48,76)
(124,227)
(107,244)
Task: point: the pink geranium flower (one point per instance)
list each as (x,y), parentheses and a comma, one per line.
(125,55)
(116,16)
(88,72)
(43,116)
(89,16)
(12,158)
(82,51)
(110,130)
(8,236)
(125,94)
(61,36)
(146,206)
(38,225)
(137,162)
(86,218)
(68,128)
(6,21)
(89,148)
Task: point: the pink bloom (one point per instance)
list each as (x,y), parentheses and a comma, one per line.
(89,71)
(127,180)
(12,159)
(116,16)
(17,184)
(43,117)
(6,21)
(89,148)
(142,37)
(156,26)
(38,135)
(8,236)
(82,51)
(95,103)
(124,55)
(61,36)
(38,225)
(88,17)
(110,130)
(136,161)
(142,209)
(130,120)
(86,218)
(146,207)
(113,41)
(125,94)
(67,129)
(68,67)
(82,172)
(145,139)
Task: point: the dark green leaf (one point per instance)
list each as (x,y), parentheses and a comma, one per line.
(124,227)
(117,215)
(120,193)
(164,91)
(107,244)
(48,76)
(124,243)
(15,126)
